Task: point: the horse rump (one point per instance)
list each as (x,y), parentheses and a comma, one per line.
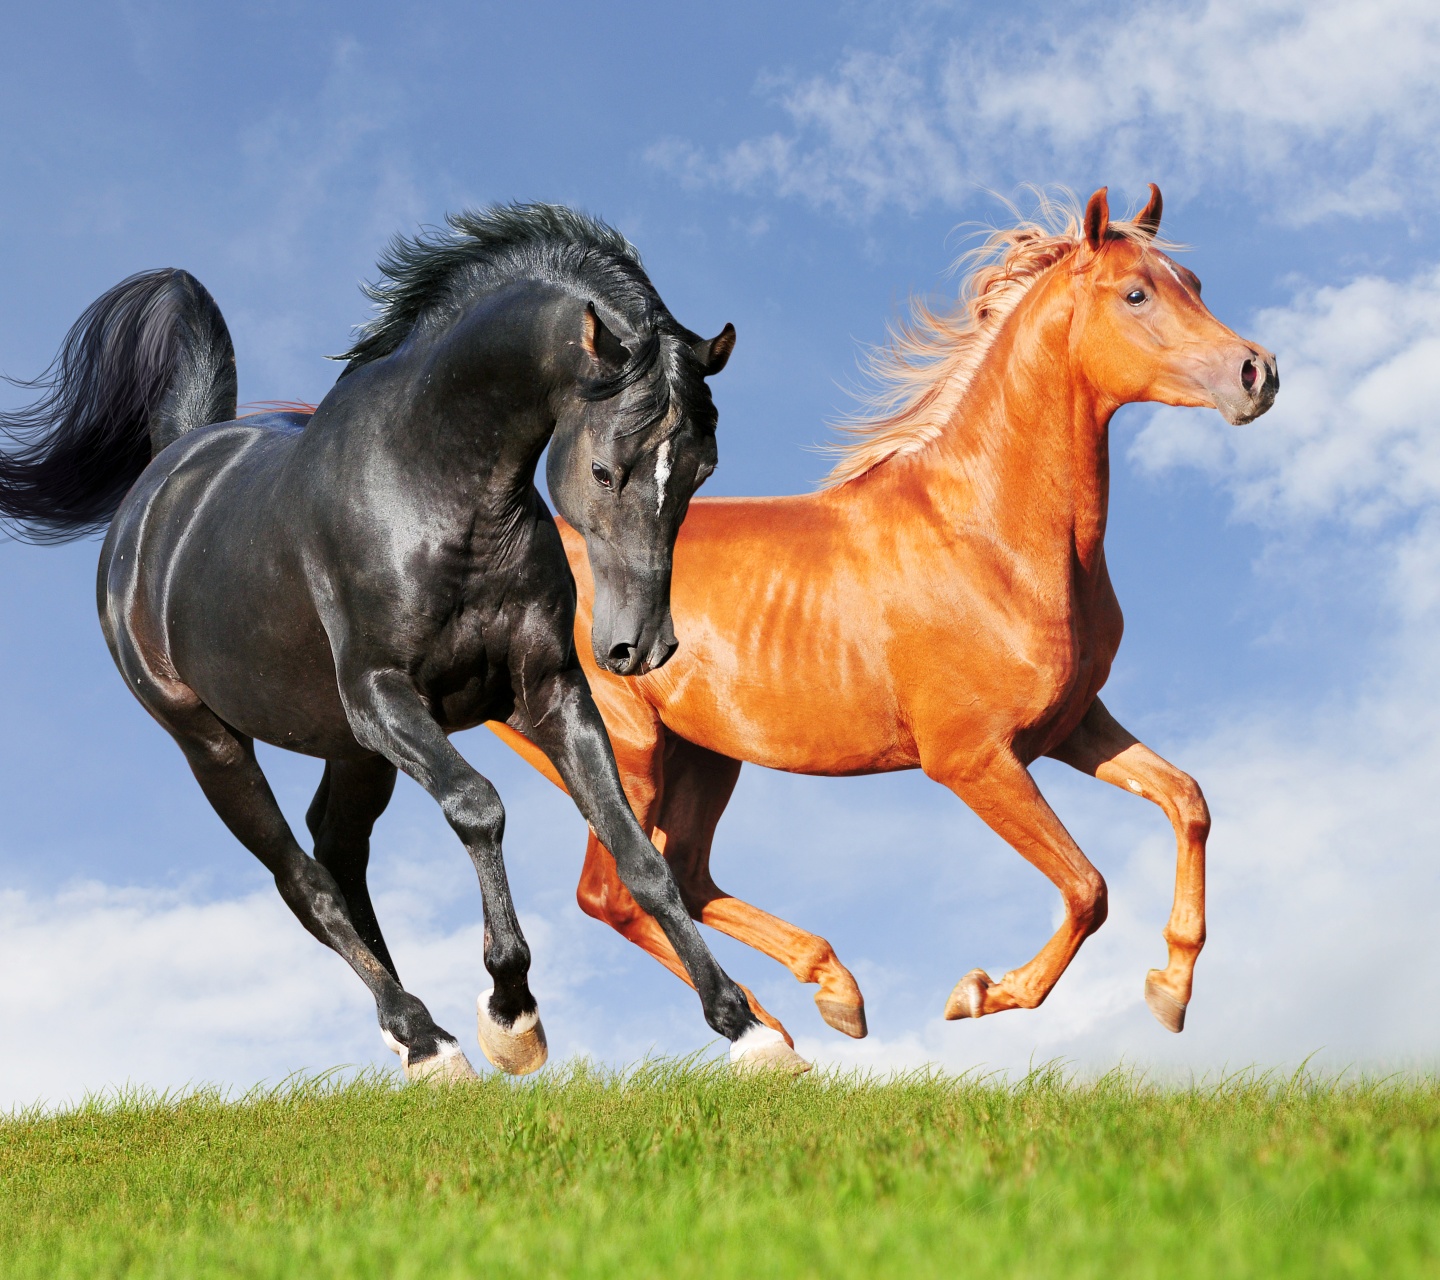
(147,361)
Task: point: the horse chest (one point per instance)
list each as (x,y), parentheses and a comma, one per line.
(1067,665)
(465,670)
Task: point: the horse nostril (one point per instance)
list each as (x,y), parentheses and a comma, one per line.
(663,651)
(1248,374)
(621,655)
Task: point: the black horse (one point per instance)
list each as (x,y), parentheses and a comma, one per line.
(360,583)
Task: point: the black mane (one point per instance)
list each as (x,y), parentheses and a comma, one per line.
(480,249)
(434,274)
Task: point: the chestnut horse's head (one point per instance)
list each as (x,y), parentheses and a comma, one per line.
(1142,332)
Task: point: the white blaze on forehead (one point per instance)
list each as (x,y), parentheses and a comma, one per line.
(1173,270)
(662,474)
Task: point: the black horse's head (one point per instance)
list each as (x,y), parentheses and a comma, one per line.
(632,443)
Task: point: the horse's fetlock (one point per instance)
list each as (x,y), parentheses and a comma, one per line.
(507,960)
(729,1013)
(817,956)
(1190,939)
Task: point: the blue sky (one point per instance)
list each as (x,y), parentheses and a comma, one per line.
(801,171)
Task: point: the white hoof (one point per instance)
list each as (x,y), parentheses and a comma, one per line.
(762,1049)
(448,1066)
(518,1049)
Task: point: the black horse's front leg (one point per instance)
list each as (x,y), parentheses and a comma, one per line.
(388,716)
(560,717)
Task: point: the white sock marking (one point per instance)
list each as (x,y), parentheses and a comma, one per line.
(758,1037)
(525,1022)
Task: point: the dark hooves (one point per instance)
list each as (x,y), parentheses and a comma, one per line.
(1168,1011)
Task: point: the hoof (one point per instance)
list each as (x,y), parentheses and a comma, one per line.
(847,1018)
(761,1051)
(449,1066)
(516,1050)
(968,998)
(1168,1011)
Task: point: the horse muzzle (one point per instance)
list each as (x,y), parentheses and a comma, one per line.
(633,641)
(1245,386)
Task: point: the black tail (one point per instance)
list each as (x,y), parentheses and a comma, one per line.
(148,361)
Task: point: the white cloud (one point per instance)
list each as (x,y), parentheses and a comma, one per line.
(1330,107)
(108,985)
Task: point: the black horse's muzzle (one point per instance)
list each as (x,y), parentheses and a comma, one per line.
(626,659)
(632,631)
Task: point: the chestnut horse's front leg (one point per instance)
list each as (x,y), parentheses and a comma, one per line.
(999,788)
(1100,746)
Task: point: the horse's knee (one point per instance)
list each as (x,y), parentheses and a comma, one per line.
(474,811)
(647,877)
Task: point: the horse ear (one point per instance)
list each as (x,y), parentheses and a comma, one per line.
(1097,219)
(1148,220)
(599,343)
(714,353)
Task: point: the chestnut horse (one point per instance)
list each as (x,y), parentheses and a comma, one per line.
(943,603)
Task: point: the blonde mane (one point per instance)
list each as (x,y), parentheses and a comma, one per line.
(920,377)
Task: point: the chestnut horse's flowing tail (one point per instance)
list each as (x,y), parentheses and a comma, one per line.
(148,361)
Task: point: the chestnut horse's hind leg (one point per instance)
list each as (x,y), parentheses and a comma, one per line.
(698,784)
(695,787)
(351,797)
(1102,747)
(600,893)
(1005,796)
(225,766)
(560,717)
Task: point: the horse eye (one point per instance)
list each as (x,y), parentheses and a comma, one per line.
(602,476)
(1135,297)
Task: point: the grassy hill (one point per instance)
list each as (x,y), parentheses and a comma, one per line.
(674,1170)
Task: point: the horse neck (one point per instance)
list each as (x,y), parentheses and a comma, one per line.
(483,412)
(1025,453)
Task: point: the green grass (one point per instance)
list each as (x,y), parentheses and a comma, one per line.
(684,1171)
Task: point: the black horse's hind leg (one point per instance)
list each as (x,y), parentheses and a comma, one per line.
(387,715)
(351,797)
(225,766)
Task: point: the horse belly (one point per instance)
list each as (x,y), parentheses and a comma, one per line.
(277,685)
(798,724)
